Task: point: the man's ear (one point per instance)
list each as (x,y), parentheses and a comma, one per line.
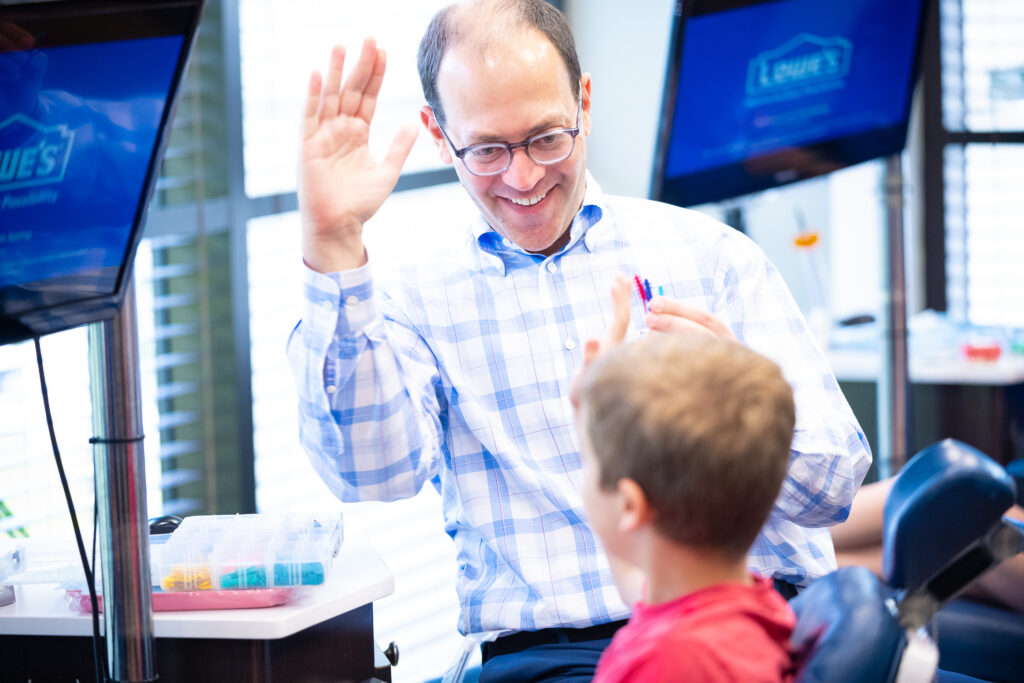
(634,510)
(585,82)
(430,123)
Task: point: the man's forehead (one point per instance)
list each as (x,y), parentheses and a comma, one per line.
(505,80)
(504,56)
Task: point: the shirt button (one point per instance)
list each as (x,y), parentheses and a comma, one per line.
(331,389)
(552,267)
(570,344)
(327,305)
(352,301)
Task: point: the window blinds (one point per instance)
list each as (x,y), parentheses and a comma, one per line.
(982,67)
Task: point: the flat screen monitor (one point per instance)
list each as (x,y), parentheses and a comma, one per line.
(87,93)
(759,93)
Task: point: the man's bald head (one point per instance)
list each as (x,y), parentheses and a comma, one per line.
(481,26)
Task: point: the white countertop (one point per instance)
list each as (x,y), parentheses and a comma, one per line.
(358,576)
(863,366)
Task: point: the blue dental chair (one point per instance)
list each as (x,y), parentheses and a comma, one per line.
(853,627)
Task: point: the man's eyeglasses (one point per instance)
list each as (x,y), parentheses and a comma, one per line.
(494,158)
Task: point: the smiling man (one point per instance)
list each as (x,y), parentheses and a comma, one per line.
(509,85)
(459,375)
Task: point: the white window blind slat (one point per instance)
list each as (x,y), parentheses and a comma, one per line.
(982,53)
(983,65)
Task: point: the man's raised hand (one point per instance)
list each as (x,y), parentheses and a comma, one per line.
(341,184)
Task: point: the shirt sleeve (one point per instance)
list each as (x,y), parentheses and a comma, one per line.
(368,386)
(830,454)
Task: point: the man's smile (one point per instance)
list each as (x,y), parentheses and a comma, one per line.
(527,201)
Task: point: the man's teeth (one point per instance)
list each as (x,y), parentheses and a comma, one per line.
(527,202)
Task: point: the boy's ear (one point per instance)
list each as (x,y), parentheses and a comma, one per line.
(634,510)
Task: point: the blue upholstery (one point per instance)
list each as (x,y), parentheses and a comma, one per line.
(943,526)
(981,641)
(925,525)
(1016,470)
(845,632)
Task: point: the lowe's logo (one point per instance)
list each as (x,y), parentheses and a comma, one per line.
(32,154)
(802,60)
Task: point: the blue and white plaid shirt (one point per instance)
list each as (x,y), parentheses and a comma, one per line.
(460,376)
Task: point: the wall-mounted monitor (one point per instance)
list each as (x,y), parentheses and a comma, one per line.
(87,91)
(759,93)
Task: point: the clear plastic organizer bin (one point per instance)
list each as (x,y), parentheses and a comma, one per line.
(31,560)
(227,552)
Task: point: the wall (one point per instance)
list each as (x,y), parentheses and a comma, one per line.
(624,46)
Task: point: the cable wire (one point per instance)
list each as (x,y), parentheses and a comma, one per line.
(99,663)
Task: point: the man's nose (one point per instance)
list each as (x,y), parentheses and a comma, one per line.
(523,173)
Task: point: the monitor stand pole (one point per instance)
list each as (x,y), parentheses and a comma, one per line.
(893,378)
(121,494)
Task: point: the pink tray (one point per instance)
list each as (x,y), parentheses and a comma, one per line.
(196,600)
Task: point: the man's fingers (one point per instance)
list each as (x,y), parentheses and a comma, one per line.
(311,109)
(369,102)
(332,83)
(401,145)
(672,315)
(355,86)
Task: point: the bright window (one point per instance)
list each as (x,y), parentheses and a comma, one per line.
(280,44)
(982,55)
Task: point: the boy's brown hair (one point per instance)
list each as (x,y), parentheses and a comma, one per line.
(703,425)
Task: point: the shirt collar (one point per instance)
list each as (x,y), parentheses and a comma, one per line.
(589,214)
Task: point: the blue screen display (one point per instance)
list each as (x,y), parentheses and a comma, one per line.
(78,128)
(782,75)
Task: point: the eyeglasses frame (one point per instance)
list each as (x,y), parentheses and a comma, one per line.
(513,146)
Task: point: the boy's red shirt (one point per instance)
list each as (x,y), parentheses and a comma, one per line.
(725,632)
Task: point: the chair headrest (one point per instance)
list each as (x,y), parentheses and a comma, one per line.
(1016,471)
(845,630)
(944,499)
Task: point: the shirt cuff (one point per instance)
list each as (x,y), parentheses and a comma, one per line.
(339,303)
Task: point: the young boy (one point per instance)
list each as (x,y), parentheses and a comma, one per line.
(685,443)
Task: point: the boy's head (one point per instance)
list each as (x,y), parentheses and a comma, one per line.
(701,425)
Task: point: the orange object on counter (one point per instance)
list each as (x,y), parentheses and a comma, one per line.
(805,240)
(982,351)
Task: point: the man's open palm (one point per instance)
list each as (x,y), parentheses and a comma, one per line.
(341,184)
